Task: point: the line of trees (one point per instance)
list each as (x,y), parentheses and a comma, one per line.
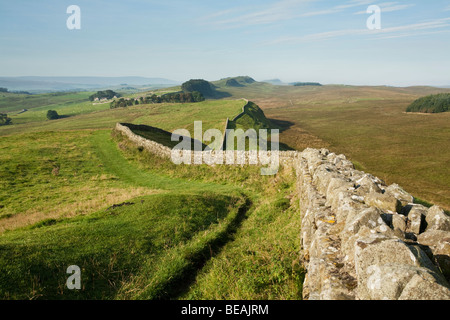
(175,97)
(305,84)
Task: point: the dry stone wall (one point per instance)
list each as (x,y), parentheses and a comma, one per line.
(361,239)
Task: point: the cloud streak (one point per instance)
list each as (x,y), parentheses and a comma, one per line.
(244,16)
(390,7)
(392,32)
(279,11)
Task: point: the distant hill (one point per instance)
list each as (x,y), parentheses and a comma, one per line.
(207,89)
(52,84)
(435,103)
(233,83)
(240,81)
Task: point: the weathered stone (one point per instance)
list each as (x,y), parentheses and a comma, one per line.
(441,254)
(416,219)
(366,185)
(336,185)
(399,223)
(370,218)
(437,219)
(383,201)
(438,242)
(345,207)
(322,177)
(383,250)
(422,287)
(373,253)
(397,192)
(432,237)
(388,282)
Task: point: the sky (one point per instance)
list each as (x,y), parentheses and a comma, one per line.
(292,40)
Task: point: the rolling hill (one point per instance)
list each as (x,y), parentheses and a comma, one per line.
(52,84)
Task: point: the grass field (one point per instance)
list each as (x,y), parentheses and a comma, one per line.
(139,227)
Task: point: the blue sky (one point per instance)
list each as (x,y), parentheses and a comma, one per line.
(294,40)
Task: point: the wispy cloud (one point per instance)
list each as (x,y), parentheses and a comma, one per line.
(278,11)
(390,7)
(338,8)
(397,32)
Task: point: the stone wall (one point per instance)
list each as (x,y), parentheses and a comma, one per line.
(235,157)
(360,238)
(151,146)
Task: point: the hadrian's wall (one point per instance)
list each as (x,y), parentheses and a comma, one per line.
(360,238)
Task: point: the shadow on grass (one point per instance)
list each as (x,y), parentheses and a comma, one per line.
(181,284)
(282,125)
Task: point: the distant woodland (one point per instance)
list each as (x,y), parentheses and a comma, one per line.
(175,97)
(107,94)
(435,103)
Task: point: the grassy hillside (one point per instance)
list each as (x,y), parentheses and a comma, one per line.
(138,226)
(155,238)
(251,118)
(240,81)
(141,227)
(168,117)
(12,102)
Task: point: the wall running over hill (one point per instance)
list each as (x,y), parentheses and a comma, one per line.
(360,238)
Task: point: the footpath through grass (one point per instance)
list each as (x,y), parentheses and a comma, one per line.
(197,232)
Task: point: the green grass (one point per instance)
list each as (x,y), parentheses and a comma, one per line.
(12,102)
(111,247)
(168,117)
(60,177)
(262,260)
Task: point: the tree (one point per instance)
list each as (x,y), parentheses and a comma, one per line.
(197,96)
(4,119)
(52,115)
